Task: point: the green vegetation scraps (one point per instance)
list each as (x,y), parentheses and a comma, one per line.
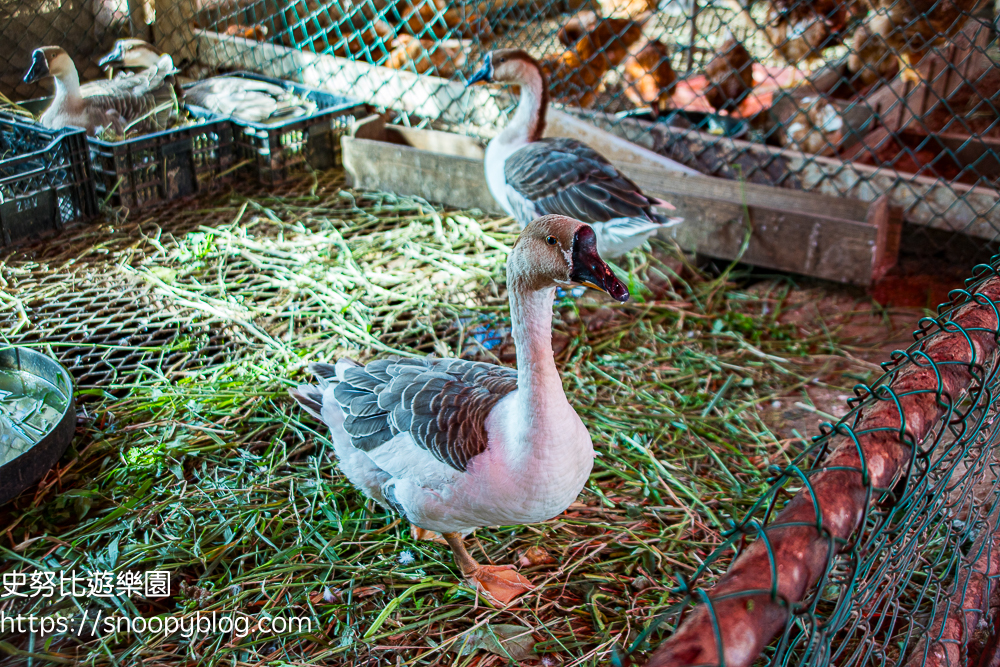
(184,329)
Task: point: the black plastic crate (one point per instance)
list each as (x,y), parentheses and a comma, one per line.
(160,166)
(282,149)
(45,179)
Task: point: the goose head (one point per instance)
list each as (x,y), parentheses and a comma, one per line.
(505,66)
(559,250)
(49,61)
(132,53)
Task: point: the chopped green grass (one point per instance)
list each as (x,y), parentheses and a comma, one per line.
(209,471)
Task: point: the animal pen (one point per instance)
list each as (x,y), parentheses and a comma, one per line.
(874,543)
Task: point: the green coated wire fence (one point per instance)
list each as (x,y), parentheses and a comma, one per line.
(878,545)
(803,94)
(879,542)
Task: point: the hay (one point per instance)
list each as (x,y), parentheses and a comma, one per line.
(203,467)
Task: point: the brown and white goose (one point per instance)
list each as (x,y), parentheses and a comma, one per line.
(231,96)
(140,102)
(531,176)
(454,445)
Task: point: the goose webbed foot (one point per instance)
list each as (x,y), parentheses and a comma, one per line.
(418,533)
(499,582)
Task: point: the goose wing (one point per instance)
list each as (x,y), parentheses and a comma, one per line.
(133,96)
(128,95)
(246,99)
(442,403)
(566,177)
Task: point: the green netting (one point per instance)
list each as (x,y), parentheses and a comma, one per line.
(828,111)
(915,583)
(815,120)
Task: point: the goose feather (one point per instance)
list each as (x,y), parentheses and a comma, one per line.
(532,176)
(129,101)
(454,444)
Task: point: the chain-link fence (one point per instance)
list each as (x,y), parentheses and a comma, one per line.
(86,28)
(879,544)
(882,557)
(841,97)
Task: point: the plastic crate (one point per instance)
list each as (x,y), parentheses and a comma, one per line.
(157,167)
(282,149)
(162,166)
(45,179)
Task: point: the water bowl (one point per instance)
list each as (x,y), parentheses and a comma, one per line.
(37,417)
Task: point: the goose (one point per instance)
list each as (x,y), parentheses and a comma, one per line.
(230,96)
(530,176)
(453,445)
(140,101)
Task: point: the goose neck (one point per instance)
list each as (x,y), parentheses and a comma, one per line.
(528,123)
(539,386)
(67,84)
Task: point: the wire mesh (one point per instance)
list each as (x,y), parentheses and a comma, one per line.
(842,97)
(806,94)
(888,551)
(817,95)
(87,28)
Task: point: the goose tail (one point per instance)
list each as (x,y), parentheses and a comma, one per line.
(310,397)
(656,202)
(667,221)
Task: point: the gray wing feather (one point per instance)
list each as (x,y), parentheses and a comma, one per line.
(365,405)
(346,393)
(132,96)
(442,403)
(566,177)
(323,372)
(362,427)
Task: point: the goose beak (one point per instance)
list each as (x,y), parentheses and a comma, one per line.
(590,270)
(116,58)
(39,68)
(485,74)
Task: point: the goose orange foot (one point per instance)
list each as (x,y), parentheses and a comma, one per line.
(422,534)
(499,582)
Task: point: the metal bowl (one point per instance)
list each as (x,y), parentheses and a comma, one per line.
(26,468)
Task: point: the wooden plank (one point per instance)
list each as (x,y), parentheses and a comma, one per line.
(980,153)
(813,245)
(792,231)
(888,222)
(441,142)
(651,178)
(448,179)
(425,96)
(834,239)
(614,148)
(973,210)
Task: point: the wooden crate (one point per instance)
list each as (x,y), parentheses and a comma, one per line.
(839,239)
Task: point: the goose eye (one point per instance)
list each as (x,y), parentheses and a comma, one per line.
(551,240)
